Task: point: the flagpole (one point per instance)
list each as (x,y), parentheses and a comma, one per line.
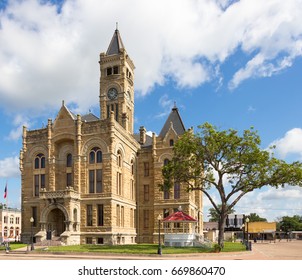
(7,219)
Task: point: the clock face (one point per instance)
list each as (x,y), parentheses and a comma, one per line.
(112,93)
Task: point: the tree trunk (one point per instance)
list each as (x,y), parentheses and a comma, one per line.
(221,225)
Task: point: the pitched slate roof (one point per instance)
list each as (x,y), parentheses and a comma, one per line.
(148,140)
(116,44)
(179,216)
(176,121)
(89,118)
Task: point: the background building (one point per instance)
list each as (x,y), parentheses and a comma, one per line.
(89,179)
(10,224)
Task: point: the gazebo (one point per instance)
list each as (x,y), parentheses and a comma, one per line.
(179,229)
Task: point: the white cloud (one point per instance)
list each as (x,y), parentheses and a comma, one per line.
(9,167)
(47,56)
(19,121)
(289,144)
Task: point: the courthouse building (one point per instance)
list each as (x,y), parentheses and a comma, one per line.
(90,179)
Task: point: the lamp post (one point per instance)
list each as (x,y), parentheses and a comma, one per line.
(159,252)
(32,236)
(247,228)
(247,220)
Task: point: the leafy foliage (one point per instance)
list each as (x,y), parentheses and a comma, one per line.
(214,215)
(232,164)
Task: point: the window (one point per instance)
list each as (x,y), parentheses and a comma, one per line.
(88,240)
(166,161)
(95,181)
(40,161)
(69,160)
(11,219)
(131,218)
(100,240)
(146,192)
(122,216)
(115,70)
(112,70)
(176,190)
(68,179)
(95,156)
(89,215)
(39,183)
(109,71)
(17,220)
(171,142)
(132,167)
(95,173)
(118,215)
(39,173)
(146,218)
(132,189)
(146,169)
(100,215)
(119,178)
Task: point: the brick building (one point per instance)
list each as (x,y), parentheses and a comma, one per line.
(89,179)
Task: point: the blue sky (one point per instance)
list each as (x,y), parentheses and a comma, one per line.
(234,64)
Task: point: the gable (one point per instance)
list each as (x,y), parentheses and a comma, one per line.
(64,119)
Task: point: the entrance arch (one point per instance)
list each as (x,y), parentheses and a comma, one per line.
(56,222)
(55,218)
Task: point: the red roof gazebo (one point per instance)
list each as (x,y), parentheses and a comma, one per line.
(177,235)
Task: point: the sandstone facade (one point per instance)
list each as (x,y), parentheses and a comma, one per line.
(89,179)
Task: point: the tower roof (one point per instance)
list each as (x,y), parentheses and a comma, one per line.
(116,44)
(174,119)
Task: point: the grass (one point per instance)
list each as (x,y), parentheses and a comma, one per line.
(13,246)
(142,249)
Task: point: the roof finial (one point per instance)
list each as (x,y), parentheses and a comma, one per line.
(116,26)
(174,104)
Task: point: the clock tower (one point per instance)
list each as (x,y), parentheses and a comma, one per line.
(116,83)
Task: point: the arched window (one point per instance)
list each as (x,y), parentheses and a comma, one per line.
(119,181)
(171,142)
(95,184)
(95,155)
(166,161)
(132,184)
(69,160)
(40,161)
(39,173)
(119,159)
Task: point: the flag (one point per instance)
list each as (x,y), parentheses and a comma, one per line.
(5,191)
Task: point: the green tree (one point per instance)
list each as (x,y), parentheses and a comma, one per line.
(214,215)
(231,164)
(253,217)
(290,223)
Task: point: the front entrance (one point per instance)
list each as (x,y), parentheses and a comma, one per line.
(56,222)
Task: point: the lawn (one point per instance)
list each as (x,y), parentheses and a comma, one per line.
(13,246)
(143,249)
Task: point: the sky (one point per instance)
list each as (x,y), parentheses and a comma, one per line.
(234,64)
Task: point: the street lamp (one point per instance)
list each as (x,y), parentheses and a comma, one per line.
(32,236)
(247,228)
(159,241)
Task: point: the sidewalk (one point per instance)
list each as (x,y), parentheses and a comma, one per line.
(260,251)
